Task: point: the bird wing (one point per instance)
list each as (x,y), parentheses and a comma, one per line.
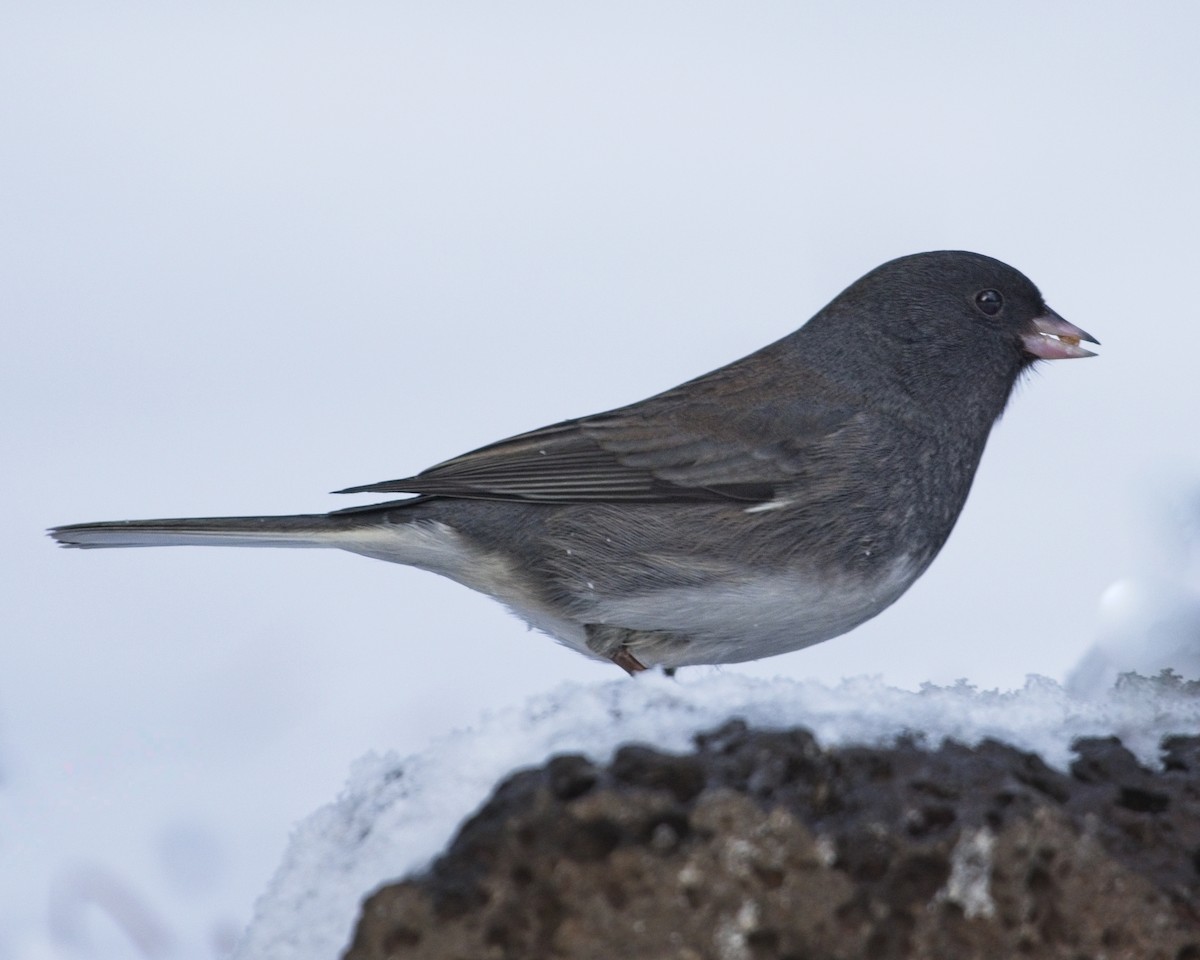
(712,439)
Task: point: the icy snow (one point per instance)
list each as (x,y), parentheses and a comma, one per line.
(397,813)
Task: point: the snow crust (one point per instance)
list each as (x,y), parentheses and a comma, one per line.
(396,813)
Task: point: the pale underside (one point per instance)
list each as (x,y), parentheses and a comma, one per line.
(733,619)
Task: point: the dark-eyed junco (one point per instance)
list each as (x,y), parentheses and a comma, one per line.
(769,505)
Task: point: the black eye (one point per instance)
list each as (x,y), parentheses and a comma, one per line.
(989,301)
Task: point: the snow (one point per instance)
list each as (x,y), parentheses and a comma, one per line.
(1149,619)
(396,813)
(970,881)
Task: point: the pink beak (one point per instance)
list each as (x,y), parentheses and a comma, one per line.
(1055,339)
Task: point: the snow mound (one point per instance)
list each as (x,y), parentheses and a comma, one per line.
(396,813)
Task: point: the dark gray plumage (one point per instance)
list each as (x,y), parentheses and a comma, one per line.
(771,504)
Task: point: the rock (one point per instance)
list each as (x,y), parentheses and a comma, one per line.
(761,844)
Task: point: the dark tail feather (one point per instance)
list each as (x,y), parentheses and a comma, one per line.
(305,530)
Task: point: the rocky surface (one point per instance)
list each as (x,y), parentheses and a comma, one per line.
(761,844)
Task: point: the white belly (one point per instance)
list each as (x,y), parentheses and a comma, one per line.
(721,622)
(758,617)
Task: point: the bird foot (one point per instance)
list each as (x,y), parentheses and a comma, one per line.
(627,662)
(613,643)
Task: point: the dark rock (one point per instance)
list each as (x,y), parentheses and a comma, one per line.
(762,845)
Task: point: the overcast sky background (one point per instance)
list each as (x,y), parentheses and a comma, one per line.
(250,253)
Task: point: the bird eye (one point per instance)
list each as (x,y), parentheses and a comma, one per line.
(989,301)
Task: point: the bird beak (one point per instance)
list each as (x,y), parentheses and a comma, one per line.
(1055,339)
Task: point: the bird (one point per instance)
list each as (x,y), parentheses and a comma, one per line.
(771,504)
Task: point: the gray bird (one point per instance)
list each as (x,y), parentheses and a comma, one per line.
(769,505)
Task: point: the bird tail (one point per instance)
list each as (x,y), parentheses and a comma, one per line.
(302,530)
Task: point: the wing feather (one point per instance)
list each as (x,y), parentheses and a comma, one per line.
(688,444)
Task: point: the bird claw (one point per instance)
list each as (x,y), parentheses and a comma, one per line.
(627,661)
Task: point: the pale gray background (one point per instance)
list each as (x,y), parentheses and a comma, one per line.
(252,253)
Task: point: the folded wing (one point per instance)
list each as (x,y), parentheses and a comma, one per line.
(658,450)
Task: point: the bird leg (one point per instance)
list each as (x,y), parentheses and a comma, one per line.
(627,661)
(613,643)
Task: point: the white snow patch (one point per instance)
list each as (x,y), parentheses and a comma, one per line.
(970,881)
(1146,624)
(396,813)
